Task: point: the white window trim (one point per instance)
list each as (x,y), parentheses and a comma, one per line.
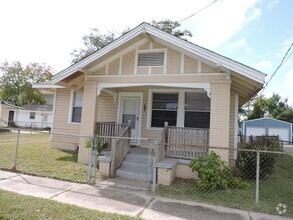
(70,109)
(180,110)
(34,115)
(164,50)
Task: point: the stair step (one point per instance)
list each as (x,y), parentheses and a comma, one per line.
(137,158)
(134,167)
(132,175)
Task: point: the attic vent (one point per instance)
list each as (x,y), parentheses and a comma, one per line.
(151,59)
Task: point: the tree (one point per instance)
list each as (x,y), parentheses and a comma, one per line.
(171,27)
(16,82)
(274,107)
(94,40)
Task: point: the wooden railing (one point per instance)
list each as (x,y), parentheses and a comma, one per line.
(107,130)
(119,148)
(185,142)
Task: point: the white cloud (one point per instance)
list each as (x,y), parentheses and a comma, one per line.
(272,3)
(222,20)
(263,65)
(238,44)
(47,31)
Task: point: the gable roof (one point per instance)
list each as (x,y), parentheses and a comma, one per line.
(35,107)
(169,38)
(266,119)
(2,102)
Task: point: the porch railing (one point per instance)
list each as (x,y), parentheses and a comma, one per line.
(185,143)
(107,130)
(119,148)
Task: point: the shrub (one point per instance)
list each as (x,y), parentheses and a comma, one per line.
(246,161)
(214,174)
(96,141)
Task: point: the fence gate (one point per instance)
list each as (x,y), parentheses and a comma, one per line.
(137,170)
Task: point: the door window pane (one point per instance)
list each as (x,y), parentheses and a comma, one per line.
(129,112)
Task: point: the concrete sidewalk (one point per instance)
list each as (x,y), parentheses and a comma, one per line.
(121,201)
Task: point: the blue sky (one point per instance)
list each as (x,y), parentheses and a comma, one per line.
(254,32)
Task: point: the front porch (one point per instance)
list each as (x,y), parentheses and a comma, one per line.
(171,153)
(197,118)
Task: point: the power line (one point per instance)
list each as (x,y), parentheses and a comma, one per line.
(198,11)
(284,59)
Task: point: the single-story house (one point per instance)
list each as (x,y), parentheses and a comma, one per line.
(35,115)
(148,77)
(267,127)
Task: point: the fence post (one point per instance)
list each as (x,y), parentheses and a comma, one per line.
(16,150)
(257,177)
(90,164)
(156,148)
(113,148)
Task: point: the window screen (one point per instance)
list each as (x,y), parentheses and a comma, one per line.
(197,110)
(77,106)
(32,115)
(164,109)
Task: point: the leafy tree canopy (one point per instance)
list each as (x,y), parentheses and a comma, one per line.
(16,82)
(274,106)
(171,27)
(94,40)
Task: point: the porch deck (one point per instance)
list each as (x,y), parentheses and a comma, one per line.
(175,142)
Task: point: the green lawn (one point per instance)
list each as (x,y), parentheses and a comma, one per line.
(276,189)
(35,156)
(15,206)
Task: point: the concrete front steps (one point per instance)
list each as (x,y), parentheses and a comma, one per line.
(136,165)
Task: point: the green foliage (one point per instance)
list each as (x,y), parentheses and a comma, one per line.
(97,143)
(214,174)
(171,27)
(246,161)
(16,82)
(274,107)
(92,42)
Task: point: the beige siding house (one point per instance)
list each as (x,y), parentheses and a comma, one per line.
(148,77)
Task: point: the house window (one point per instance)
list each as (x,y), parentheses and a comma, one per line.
(164,109)
(148,59)
(197,110)
(32,115)
(76,106)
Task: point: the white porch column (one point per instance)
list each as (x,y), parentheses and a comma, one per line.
(220,118)
(88,118)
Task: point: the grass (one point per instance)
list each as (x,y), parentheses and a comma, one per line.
(275,189)
(35,156)
(15,206)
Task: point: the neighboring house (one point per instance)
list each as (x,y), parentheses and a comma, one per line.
(150,77)
(35,115)
(5,112)
(267,127)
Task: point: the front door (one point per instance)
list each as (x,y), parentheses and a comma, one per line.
(130,112)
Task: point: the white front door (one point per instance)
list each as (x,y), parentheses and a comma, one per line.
(130,111)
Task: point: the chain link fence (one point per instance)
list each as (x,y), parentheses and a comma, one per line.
(258,175)
(32,152)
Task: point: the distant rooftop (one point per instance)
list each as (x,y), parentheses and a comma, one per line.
(35,107)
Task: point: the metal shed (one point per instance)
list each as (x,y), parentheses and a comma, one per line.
(267,126)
